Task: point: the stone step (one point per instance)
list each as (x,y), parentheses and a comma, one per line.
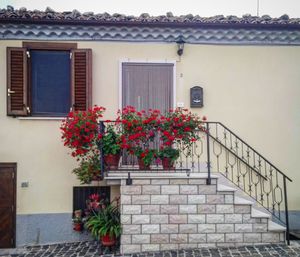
(274,227)
(223,188)
(241,201)
(259,214)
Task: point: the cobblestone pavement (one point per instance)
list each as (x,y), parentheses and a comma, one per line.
(91,249)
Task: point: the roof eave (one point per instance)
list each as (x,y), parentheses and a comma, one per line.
(225,25)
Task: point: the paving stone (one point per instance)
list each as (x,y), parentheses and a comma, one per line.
(205,249)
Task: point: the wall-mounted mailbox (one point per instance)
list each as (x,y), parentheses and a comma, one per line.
(196,97)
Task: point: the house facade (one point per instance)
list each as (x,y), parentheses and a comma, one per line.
(248,68)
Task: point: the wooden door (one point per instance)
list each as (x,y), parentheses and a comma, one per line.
(7,204)
(148,85)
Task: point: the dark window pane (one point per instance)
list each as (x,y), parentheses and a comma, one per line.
(81,194)
(50,82)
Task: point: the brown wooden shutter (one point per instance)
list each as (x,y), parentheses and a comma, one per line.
(17,82)
(81,79)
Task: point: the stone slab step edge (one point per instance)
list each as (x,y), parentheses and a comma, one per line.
(274,227)
(150,174)
(241,201)
(223,188)
(259,214)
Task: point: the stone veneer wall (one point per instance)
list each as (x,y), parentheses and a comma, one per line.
(168,214)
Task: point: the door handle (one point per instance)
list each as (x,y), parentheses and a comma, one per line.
(10,92)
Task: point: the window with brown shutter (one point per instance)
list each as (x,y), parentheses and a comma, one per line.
(81,79)
(16,82)
(42,82)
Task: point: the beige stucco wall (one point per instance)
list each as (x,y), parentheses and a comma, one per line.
(252,89)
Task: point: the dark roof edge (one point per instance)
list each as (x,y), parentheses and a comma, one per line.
(175,24)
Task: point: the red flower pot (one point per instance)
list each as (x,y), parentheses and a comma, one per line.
(142,165)
(112,161)
(167,163)
(107,240)
(77,227)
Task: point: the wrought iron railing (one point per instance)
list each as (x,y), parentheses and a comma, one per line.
(219,149)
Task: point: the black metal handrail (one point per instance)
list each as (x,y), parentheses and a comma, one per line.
(262,157)
(273,197)
(228,154)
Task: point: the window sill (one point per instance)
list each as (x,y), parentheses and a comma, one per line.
(41,118)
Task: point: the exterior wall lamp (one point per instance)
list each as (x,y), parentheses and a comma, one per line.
(180,44)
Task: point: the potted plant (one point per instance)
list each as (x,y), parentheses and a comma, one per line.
(168,156)
(138,134)
(180,127)
(145,157)
(88,170)
(80,134)
(104,223)
(111,143)
(77,221)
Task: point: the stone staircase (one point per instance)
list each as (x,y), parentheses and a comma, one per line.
(169,211)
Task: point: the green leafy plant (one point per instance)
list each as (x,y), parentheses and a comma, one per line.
(111,141)
(168,152)
(88,170)
(147,155)
(105,221)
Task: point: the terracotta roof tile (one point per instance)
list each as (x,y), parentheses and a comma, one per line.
(50,16)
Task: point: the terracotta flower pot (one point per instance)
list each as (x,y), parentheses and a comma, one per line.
(77,227)
(142,165)
(167,163)
(112,161)
(107,240)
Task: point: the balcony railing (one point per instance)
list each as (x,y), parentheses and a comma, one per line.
(218,149)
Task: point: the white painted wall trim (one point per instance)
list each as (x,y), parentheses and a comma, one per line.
(146,61)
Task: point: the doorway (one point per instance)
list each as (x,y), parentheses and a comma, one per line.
(8,204)
(148,85)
